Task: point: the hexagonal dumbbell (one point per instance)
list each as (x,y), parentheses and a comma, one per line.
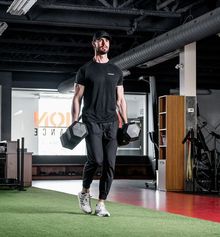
(73,135)
(128,133)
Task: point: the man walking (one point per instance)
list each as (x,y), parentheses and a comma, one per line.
(100,84)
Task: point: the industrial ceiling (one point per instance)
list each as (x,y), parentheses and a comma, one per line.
(53,39)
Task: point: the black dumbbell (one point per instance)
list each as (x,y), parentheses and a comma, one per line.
(73,135)
(128,133)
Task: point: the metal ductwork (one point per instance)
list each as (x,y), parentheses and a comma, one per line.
(67,85)
(197,29)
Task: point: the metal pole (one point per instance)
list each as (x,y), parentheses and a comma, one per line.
(18,161)
(22,165)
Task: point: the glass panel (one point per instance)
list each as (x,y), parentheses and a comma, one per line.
(136,109)
(41,117)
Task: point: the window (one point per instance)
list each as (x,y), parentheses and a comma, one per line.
(41,117)
(136,111)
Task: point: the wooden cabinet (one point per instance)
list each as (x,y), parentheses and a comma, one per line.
(171,150)
(9,165)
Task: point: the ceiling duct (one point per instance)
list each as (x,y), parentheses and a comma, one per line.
(197,29)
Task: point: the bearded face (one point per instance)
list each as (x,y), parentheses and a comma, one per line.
(101,46)
(102,51)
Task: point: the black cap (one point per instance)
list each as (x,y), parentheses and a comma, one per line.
(101,34)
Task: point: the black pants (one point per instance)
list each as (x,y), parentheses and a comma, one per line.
(101,146)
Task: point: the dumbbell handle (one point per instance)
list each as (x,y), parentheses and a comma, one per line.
(127,124)
(78,119)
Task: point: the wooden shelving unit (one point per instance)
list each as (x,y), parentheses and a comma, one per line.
(57,171)
(171,149)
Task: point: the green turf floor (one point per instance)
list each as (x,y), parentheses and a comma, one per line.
(37,212)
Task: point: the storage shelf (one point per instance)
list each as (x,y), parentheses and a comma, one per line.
(55,177)
(75,171)
(171,149)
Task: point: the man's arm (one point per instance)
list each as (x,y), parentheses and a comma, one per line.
(76,102)
(121,103)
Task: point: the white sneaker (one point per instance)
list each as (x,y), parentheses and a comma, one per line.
(100,210)
(85,202)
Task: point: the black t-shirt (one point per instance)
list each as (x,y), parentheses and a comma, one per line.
(100,81)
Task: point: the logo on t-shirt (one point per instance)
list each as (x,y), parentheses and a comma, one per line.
(110,74)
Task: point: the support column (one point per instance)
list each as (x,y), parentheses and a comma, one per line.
(152,115)
(187,72)
(6,93)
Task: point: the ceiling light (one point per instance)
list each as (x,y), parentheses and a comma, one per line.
(20,7)
(3,27)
